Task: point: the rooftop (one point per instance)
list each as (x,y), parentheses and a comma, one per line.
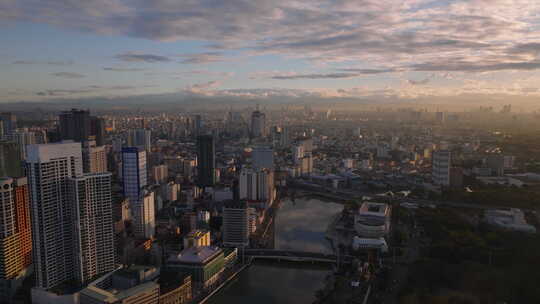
(378,209)
(196,255)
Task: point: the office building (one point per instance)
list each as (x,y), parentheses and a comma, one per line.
(160,174)
(258,124)
(373,220)
(204,264)
(441,167)
(49,167)
(134,172)
(9,122)
(140,138)
(262,157)
(206,161)
(94,157)
(74,125)
(79,126)
(10,159)
(15,235)
(235,224)
(133,285)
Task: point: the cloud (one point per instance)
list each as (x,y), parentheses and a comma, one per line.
(487,66)
(149,58)
(114,69)
(68,75)
(316,76)
(418,82)
(42,62)
(200,87)
(91,89)
(202,58)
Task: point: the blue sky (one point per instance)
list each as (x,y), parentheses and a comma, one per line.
(345,48)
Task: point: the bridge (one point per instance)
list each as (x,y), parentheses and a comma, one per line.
(294,256)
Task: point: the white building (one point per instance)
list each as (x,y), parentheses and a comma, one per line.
(143,215)
(170,191)
(94,158)
(235,224)
(257,185)
(263,157)
(441,167)
(373,220)
(94,235)
(160,174)
(49,167)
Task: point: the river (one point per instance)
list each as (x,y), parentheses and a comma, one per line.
(300,225)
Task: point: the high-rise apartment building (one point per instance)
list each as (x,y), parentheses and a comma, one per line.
(235,224)
(49,167)
(160,174)
(143,215)
(71,213)
(258,124)
(94,157)
(441,167)
(257,185)
(91,195)
(15,235)
(206,161)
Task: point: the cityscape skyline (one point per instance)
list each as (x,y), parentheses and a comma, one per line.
(375,50)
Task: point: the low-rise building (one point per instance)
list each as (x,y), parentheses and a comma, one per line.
(509,219)
(373,220)
(205,263)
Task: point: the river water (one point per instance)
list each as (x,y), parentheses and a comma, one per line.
(300,225)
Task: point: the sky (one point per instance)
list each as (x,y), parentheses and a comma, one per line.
(55,49)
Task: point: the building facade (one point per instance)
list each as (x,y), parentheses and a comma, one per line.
(441,167)
(235,224)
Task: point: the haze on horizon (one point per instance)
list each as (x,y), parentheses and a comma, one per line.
(447,52)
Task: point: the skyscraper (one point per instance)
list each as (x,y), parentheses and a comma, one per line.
(235,224)
(94,157)
(79,126)
(23,138)
(257,185)
(10,159)
(134,172)
(143,211)
(441,167)
(140,138)
(258,124)
(9,122)
(71,213)
(49,167)
(94,236)
(75,125)
(206,162)
(15,235)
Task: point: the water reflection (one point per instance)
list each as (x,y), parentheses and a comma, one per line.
(300,226)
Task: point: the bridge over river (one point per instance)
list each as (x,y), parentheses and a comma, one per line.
(295,256)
